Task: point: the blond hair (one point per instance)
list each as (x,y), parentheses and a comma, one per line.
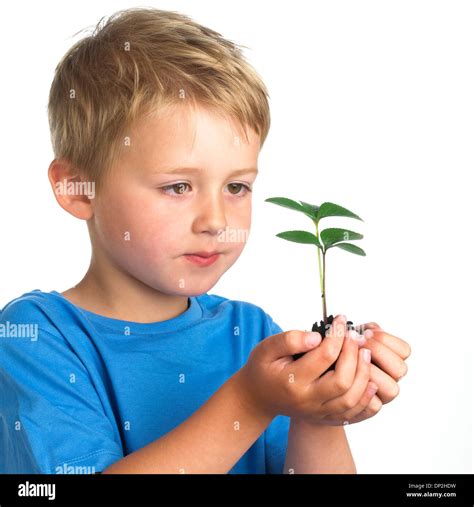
(136,63)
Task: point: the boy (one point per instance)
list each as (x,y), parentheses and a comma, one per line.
(156,125)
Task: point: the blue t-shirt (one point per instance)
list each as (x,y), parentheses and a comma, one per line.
(79,391)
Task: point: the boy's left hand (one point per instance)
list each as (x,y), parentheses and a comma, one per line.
(388,354)
(388,359)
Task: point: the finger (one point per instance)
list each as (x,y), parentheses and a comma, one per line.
(388,388)
(353,395)
(286,344)
(397,345)
(338,382)
(314,363)
(374,406)
(387,360)
(367,395)
(349,416)
(368,325)
(346,365)
(335,335)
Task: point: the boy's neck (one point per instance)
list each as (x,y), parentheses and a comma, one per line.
(124,298)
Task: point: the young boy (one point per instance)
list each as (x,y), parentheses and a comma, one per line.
(157,124)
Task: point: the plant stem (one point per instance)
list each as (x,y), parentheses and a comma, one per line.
(325,317)
(321,274)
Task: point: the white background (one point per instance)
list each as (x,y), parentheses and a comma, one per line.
(372,108)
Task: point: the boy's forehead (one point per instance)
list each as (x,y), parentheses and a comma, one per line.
(182,121)
(182,136)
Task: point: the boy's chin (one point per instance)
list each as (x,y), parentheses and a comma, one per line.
(190,292)
(197,289)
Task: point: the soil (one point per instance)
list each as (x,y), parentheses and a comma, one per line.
(321,329)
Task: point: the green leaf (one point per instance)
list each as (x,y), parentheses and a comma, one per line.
(329,209)
(300,237)
(312,208)
(335,235)
(289,203)
(350,248)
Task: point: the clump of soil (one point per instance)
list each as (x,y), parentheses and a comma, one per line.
(322,330)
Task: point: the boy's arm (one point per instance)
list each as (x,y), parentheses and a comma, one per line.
(316,449)
(211,441)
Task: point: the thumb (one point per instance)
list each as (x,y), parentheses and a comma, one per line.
(288,343)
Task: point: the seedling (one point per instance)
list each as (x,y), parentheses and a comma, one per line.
(324,240)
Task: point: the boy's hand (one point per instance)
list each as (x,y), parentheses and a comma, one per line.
(276,384)
(388,358)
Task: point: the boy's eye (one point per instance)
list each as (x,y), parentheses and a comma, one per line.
(239,186)
(179,188)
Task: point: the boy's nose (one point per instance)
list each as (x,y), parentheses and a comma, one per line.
(211,218)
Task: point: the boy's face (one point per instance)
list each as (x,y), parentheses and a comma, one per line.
(146,230)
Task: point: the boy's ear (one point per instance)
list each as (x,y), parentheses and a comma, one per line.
(72,192)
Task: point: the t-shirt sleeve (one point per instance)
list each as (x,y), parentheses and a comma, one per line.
(52,419)
(276,434)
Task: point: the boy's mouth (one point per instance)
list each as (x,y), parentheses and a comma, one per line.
(204,254)
(202,258)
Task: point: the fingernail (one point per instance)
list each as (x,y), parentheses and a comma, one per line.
(367,355)
(372,389)
(312,339)
(368,333)
(353,334)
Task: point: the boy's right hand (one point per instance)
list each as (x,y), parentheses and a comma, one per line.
(276,384)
